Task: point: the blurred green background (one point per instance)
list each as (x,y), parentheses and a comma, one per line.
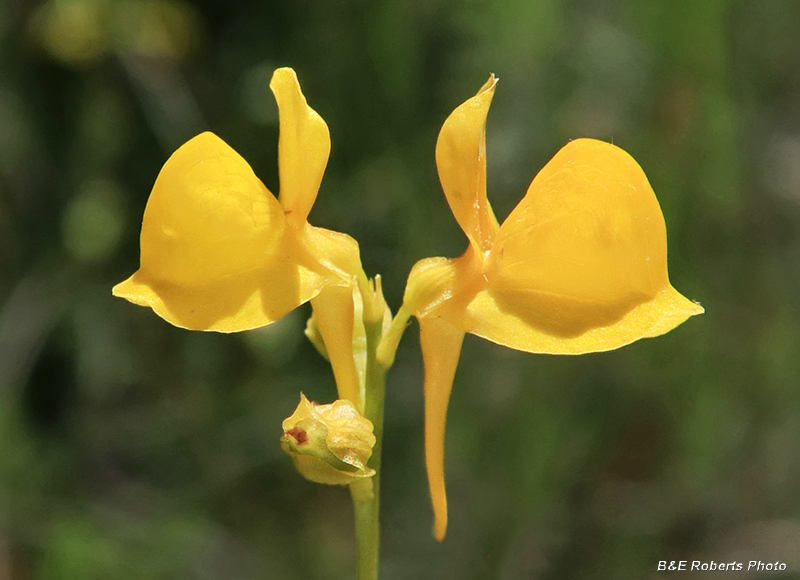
(130,449)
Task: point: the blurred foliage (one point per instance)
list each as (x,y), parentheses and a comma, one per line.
(131,449)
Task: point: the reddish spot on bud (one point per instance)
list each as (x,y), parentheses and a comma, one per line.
(299,435)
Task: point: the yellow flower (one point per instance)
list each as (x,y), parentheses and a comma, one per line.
(219,252)
(579,266)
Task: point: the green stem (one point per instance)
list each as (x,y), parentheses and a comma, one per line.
(381,349)
(366,492)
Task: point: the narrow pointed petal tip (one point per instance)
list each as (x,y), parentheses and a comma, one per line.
(461,161)
(304,146)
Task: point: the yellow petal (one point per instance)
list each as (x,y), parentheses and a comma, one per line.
(441,347)
(215,254)
(333,314)
(208,217)
(461,160)
(338,258)
(582,260)
(443,287)
(336,253)
(662,313)
(430,284)
(248,301)
(303,147)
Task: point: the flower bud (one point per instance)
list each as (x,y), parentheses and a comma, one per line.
(329,443)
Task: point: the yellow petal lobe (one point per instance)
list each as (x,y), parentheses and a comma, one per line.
(208,217)
(215,254)
(441,347)
(303,147)
(585,251)
(461,161)
(655,317)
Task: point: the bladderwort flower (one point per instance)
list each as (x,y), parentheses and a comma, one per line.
(220,252)
(580,265)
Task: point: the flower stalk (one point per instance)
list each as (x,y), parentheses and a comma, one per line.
(365,493)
